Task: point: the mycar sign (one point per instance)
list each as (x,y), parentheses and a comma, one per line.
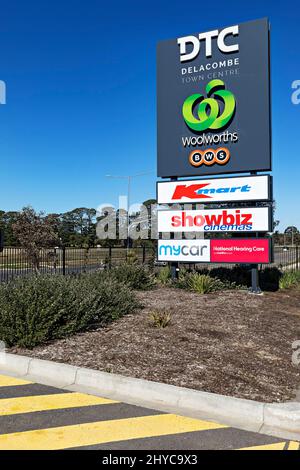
(256,250)
(249,219)
(213,103)
(246,188)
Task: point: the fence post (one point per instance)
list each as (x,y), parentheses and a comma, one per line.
(297,258)
(64,260)
(144,254)
(109,257)
(54,260)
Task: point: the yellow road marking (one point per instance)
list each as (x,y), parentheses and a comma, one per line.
(11,406)
(276,446)
(6,381)
(103,432)
(293,445)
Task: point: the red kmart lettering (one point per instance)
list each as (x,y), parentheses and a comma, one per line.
(197,191)
(190,191)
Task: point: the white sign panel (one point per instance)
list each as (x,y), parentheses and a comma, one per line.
(245,188)
(184,250)
(247,219)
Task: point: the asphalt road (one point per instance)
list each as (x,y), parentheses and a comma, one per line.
(39,417)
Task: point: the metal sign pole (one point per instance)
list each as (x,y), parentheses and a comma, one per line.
(255,288)
(174,265)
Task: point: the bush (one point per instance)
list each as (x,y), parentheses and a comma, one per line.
(289,279)
(134,276)
(160,319)
(203,283)
(269,278)
(237,274)
(164,275)
(132,257)
(41,308)
(241,275)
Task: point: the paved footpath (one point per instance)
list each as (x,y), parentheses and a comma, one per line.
(34,416)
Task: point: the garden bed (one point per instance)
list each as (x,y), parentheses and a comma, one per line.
(227,342)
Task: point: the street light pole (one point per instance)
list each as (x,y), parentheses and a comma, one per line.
(129,178)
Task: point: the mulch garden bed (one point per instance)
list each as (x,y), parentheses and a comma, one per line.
(228,342)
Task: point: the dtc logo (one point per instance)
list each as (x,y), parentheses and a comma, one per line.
(195,42)
(208,109)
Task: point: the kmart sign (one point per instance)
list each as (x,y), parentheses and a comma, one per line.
(249,188)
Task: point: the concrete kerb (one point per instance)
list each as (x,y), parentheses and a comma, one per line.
(282,420)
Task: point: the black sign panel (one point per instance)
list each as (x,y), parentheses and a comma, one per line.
(213,102)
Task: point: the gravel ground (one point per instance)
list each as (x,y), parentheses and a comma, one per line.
(229,342)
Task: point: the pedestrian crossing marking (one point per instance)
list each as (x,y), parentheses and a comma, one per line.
(11,406)
(6,381)
(67,435)
(292,445)
(103,432)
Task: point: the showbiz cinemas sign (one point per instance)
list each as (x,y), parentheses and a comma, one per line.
(213,103)
(256,219)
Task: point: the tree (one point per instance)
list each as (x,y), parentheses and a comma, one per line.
(78,227)
(7,221)
(291,229)
(34,232)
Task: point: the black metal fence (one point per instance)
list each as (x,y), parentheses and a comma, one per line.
(14,261)
(67,260)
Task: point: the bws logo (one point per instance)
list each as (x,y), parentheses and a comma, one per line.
(209,157)
(208,109)
(193,43)
(224,220)
(184,250)
(201,191)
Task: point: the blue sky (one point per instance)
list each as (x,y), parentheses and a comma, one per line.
(80,81)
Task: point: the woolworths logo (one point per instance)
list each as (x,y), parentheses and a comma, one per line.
(202,113)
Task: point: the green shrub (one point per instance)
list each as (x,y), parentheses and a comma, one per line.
(237,274)
(164,275)
(113,299)
(131,257)
(269,278)
(134,276)
(160,319)
(203,283)
(183,277)
(36,309)
(289,279)
(241,276)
